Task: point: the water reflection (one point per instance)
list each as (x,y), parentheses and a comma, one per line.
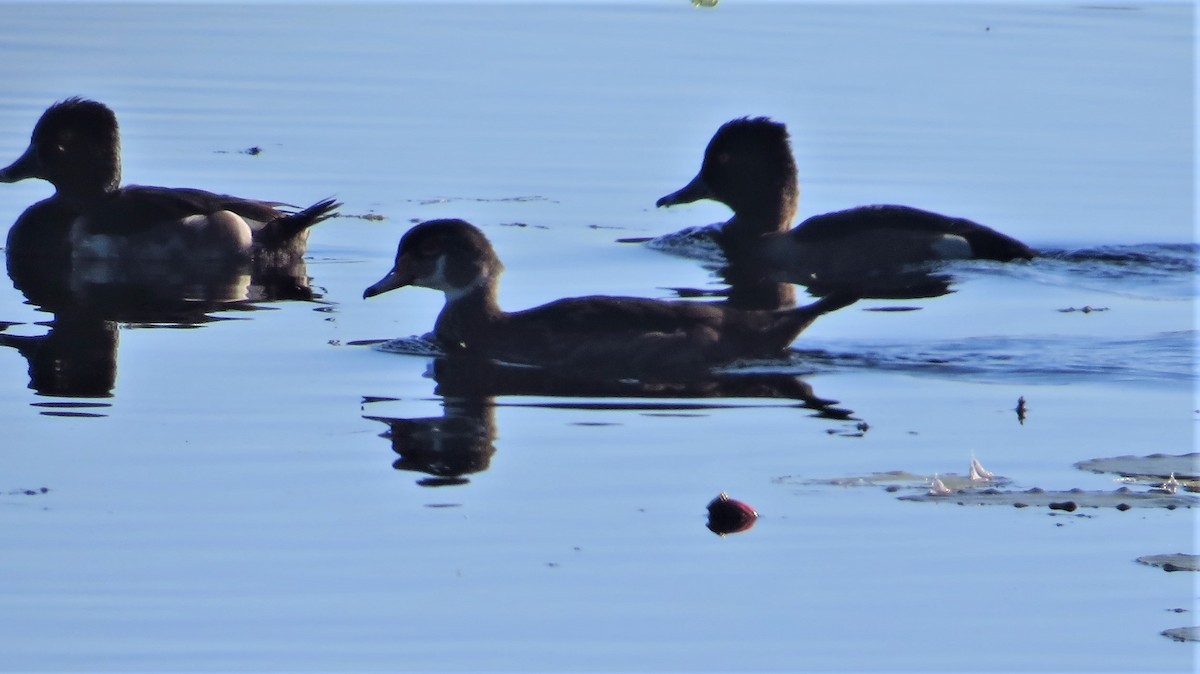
(461,441)
(77,356)
(448,447)
(756,283)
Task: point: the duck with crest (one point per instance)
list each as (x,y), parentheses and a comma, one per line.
(614,337)
(748,166)
(76,147)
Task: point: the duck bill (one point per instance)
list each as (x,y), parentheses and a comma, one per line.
(396,278)
(27,166)
(693,191)
(401,275)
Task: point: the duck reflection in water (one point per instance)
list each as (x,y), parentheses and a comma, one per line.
(77,357)
(461,441)
(880,251)
(95,253)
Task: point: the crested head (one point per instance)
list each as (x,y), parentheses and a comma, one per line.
(748,166)
(759,131)
(78,117)
(750,144)
(76,146)
(448,255)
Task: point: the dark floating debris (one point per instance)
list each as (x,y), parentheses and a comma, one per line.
(252,151)
(1021,409)
(1069,501)
(29,492)
(1183,633)
(1173,562)
(370,217)
(1085,309)
(727,516)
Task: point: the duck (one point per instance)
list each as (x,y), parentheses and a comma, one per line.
(748,166)
(602,336)
(76,147)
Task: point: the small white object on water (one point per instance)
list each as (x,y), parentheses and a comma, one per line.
(1171,485)
(978,472)
(939,488)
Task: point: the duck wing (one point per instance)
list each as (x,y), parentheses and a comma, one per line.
(272,223)
(136,207)
(613,336)
(985,242)
(627,336)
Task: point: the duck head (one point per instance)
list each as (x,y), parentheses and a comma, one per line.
(748,166)
(448,255)
(76,146)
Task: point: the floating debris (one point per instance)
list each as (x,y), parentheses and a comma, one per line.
(29,492)
(939,488)
(370,217)
(727,516)
(1183,633)
(1170,486)
(1175,472)
(1172,562)
(1021,410)
(253,151)
(410,346)
(1085,309)
(895,480)
(1069,500)
(978,473)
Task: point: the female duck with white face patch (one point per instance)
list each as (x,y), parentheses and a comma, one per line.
(602,336)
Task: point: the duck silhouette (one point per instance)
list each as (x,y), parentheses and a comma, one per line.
(76,147)
(748,166)
(603,335)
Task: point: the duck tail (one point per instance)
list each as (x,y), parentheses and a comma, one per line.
(988,244)
(293,225)
(802,317)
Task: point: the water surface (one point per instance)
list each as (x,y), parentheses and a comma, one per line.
(227,494)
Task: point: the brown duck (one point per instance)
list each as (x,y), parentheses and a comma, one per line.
(606,336)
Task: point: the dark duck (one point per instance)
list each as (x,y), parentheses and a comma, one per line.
(76,147)
(748,166)
(607,337)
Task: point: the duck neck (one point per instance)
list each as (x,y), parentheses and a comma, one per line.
(466,322)
(89,183)
(747,235)
(767,214)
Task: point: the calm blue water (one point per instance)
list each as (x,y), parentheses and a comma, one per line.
(235,500)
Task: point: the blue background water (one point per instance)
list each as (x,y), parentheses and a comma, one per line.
(231,506)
